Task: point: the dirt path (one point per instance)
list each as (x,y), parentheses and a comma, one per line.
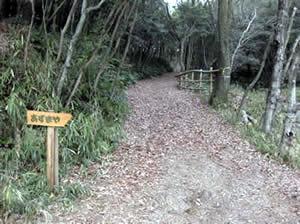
(181,163)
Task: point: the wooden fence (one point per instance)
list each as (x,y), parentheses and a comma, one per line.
(197,80)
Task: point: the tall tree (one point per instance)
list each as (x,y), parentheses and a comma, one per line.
(280,40)
(222,84)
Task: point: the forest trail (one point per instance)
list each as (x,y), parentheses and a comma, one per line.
(181,163)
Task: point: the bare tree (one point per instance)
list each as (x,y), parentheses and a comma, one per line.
(275,88)
(84,13)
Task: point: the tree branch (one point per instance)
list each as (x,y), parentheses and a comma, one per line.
(241,40)
(96,7)
(74,40)
(75,37)
(290,27)
(129,39)
(29,33)
(64,30)
(82,70)
(288,64)
(253,83)
(56,10)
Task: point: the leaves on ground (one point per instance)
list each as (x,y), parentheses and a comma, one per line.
(181,163)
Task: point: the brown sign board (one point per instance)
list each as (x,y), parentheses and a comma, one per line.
(49,119)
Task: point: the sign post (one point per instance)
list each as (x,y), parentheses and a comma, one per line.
(51,120)
(52,157)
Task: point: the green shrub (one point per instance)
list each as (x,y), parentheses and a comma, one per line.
(255,105)
(95,130)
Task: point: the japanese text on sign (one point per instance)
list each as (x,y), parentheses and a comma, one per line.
(49,119)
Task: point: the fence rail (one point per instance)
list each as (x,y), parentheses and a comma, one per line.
(197,79)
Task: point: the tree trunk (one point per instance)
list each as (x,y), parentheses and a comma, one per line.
(182,51)
(257,77)
(204,53)
(128,43)
(190,54)
(18,144)
(222,84)
(129,38)
(274,91)
(64,30)
(67,64)
(110,52)
(289,133)
(289,61)
(72,44)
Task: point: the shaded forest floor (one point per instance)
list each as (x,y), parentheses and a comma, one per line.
(181,163)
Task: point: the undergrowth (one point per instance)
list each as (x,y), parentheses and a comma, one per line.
(255,106)
(94,131)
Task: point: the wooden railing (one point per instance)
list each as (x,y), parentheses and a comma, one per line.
(197,80)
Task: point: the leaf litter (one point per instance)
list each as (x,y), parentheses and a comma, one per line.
(182,163)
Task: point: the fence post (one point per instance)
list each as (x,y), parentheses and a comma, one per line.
(211,81)
(201,76)
(180,82)
(192,86)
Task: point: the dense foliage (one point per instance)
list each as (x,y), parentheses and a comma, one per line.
(95,130)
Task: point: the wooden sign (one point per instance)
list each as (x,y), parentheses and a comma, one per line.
(49,119)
